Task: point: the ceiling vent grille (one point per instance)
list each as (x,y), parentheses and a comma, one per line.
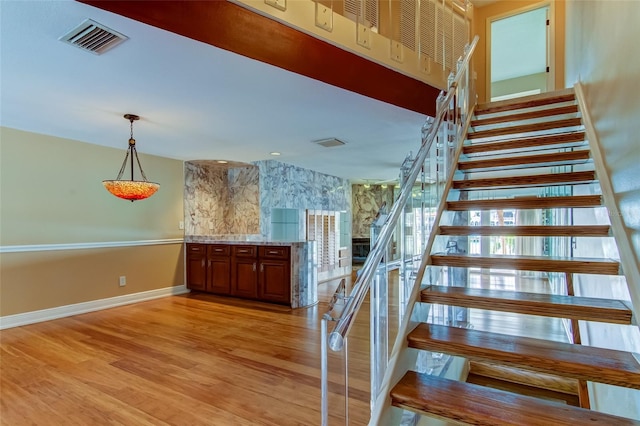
(93,37)
(329,143)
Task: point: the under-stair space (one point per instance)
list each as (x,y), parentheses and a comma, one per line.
(524,171)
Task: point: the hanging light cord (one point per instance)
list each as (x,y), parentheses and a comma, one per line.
(134,152)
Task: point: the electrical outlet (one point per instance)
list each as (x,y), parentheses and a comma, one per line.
(181,225)
(210,226)
(123,281)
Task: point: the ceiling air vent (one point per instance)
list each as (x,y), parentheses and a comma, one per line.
(93,37)
(329,143)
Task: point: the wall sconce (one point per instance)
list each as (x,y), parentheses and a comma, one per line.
(131,189)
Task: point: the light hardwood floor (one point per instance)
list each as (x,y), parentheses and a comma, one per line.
(186,360)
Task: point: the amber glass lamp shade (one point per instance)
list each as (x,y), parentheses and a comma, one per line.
(132,189)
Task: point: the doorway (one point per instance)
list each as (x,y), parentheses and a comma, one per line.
(520,53)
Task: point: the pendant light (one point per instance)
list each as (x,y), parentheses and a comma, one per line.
(131,189)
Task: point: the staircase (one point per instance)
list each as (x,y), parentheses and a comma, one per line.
(525,154)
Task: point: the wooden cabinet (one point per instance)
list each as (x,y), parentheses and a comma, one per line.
(208,268)
(219,269)
(244,267)
(197,267)
(247,271)
(274,279)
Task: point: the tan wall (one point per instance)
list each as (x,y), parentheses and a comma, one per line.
(51,193)
(602,45)
(47,279)
(501,8)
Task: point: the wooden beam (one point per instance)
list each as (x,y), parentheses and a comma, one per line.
(231,27)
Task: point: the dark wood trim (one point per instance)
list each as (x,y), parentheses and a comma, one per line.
(239,30)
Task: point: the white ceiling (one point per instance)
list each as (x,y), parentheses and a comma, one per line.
(196,102)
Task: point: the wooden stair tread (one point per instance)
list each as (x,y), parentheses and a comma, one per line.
(478,405)
(526,203)
(579,265)
(555,157)
(525,128)
(530,230)
(559,96)
(577,361)
(532,142)
(522,389)
(582,177)
(567,109)
(548,305)
(565,385)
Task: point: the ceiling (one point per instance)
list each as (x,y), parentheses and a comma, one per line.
(196,101)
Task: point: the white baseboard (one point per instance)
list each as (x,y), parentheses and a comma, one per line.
(17,320)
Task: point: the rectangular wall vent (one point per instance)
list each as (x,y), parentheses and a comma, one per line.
(329,143)
(93,37)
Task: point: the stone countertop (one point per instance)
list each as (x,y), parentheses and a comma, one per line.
(206,239)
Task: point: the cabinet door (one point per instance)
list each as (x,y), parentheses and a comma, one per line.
(275,281)
(196,267)
(244,277)
(219,275)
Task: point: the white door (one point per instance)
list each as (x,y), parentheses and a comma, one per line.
(520,54)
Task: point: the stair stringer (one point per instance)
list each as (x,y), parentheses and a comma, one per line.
(604,398)
(383,412)
(626,250)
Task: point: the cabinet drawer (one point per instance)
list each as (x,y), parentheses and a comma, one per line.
(245,251)
(218,250)
(274,252)
(196,248)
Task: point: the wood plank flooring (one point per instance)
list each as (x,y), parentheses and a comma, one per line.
(202,360)
(184,360)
